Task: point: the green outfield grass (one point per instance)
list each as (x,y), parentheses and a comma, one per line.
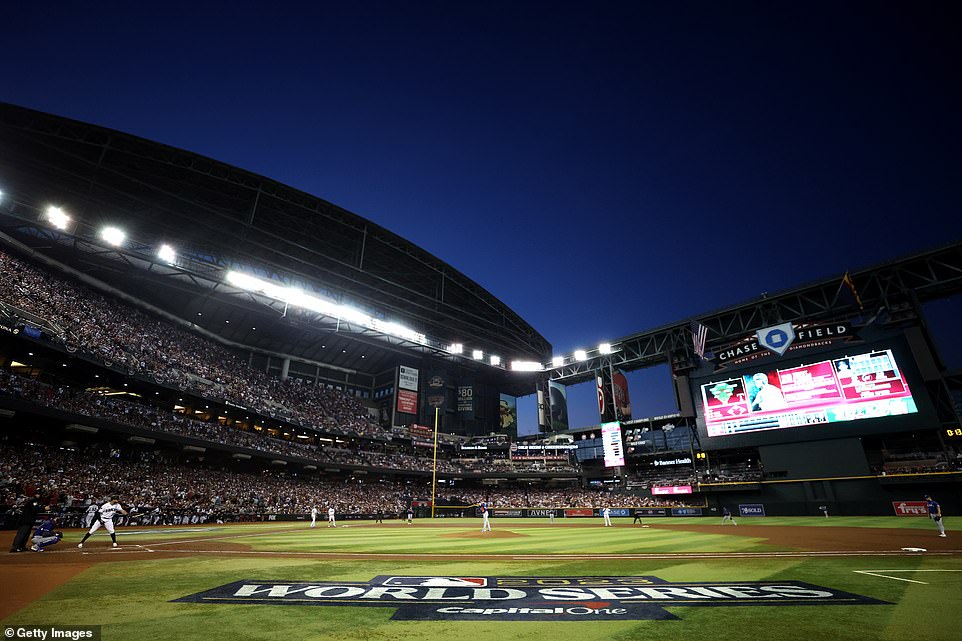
(132,598)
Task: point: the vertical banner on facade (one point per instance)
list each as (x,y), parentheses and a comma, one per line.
(435,389)
(542,411)
(622,402)
(466,400)
(407,378)
(611,441)
(603,387)
(558,394)
(509,415)
(407,390)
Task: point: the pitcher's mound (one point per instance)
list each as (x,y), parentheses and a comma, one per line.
(475,534)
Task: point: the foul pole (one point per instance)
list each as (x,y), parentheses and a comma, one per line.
(434,467)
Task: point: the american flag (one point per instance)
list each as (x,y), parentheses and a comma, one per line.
(699,333)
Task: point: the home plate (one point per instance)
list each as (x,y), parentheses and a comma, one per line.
(914,550)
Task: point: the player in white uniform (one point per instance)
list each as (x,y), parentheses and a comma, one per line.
(330,517)
(485,523)
(105,517)
(607,514)
(313,516)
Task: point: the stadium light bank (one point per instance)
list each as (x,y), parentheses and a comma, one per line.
(116,237)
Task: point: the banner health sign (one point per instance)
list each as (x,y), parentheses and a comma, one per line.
(459,598)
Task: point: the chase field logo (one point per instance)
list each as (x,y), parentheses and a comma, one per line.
(519,598)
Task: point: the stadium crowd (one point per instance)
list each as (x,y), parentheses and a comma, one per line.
(148,417)
(123,336)
(160,488)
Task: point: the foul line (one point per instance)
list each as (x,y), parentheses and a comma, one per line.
(896,578)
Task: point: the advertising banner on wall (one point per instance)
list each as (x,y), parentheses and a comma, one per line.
(466,400)
(751,509)
(910,508)
(558,394)
(435,389)
(407,378)
(407,401)
(508,410)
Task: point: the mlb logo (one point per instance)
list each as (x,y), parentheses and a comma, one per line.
(437,581)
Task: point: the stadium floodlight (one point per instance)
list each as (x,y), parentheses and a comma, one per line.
(557,361)
(477,355)
(300,298)
(495,361)
(113,236)
(167,254)
(526,366)
(57,217)
(455,348)
(604,348)
(581,355)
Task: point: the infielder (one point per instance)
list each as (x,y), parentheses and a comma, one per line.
(935,513)
(485,523)
(330,517)
(105,517)
(606,513)
(313,516)
(410,515)
(727,516)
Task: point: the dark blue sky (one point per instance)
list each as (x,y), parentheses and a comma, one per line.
(603,168)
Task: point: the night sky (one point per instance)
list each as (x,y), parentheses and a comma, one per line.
(603,168)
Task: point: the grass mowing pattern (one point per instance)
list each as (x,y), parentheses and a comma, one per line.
(131,598)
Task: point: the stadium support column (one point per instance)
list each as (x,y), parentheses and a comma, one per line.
(285,368)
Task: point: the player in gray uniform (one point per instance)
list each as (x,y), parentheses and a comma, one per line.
(105,517)
(90,515)
(313,516)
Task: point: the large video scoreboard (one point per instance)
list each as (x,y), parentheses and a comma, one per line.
(853,391)
(861,386)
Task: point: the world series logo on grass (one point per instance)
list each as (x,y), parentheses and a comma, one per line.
(523,598)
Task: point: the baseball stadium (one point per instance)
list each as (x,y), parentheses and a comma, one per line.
(233,410)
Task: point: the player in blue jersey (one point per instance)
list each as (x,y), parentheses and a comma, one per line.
(935,513)
(485,523)
(45,536)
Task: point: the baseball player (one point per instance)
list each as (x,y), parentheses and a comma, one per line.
(379,517)
(330,517)
(727,516)
(637,519)
(824,509)
(606,513)
(90,514)
(410,514)
(105,517)
(485,523)
(45,536)
(935,513)
(313,516)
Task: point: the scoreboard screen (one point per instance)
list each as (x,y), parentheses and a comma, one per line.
(611,440)
(868,385)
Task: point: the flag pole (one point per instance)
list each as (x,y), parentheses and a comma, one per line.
(434,467)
